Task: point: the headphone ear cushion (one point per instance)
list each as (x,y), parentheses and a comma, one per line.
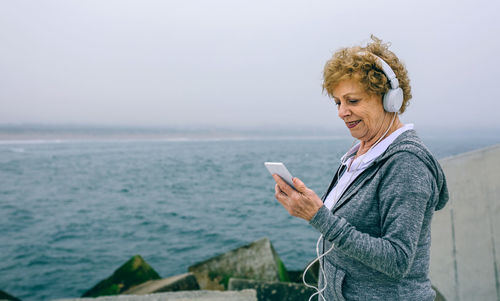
(393,100)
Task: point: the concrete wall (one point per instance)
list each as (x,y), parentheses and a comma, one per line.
(465,252)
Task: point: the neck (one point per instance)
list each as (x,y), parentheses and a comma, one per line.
(364,146)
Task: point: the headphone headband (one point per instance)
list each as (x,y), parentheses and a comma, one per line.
(389,73)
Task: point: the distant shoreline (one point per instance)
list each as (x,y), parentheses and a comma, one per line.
(37,140)
(41,138)
(71,133)
(33,133)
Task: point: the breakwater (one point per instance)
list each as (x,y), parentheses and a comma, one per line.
(465,252)
(254,269)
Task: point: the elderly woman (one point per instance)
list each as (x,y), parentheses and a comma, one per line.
(375,218)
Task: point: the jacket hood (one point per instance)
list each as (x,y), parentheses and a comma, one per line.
(408,141)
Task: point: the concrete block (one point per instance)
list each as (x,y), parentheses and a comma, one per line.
(244,295)
(312,274)
(258,261)
(6,296)
(439,296)
(465,251)
(295,276)
(184,282)
(273,291)
(133,272)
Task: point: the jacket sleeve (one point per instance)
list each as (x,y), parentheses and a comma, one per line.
(404,194)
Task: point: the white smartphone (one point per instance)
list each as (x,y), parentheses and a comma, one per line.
(280,169)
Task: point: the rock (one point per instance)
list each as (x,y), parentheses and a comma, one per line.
(258,261)
(295,276)
(5,296)
(439,296)
(184,282)
(312,274)
(244,295)
(273,291)
(133,272)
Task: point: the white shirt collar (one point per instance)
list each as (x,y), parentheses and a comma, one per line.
(375,152)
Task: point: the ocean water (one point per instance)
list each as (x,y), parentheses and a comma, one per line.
(71,212)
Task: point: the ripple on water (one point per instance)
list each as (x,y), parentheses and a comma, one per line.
(72,213)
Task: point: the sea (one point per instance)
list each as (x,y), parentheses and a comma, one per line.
(74,206)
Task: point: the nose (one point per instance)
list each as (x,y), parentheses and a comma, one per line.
(343,111)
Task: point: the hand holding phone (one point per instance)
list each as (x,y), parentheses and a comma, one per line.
(280,169)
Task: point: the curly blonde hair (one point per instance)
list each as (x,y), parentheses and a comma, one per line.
(348,63)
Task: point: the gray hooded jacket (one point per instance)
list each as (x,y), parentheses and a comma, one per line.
(381,227)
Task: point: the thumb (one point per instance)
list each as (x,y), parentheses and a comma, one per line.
(299,185)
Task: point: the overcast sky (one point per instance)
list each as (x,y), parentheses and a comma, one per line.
(237,63)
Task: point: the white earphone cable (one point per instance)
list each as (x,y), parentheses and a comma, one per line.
(337,195)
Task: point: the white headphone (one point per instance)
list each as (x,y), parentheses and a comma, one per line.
(393,99)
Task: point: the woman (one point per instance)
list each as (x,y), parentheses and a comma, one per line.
(375,218)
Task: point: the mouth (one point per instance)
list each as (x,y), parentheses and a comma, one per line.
(352,123)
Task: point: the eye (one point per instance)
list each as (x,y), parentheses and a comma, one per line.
(353,101)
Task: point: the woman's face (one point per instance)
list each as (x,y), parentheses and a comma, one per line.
(362,113)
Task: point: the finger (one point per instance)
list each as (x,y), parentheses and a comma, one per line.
(287,189)
(279,193)
(299,185)
(277,189)
(281,196)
